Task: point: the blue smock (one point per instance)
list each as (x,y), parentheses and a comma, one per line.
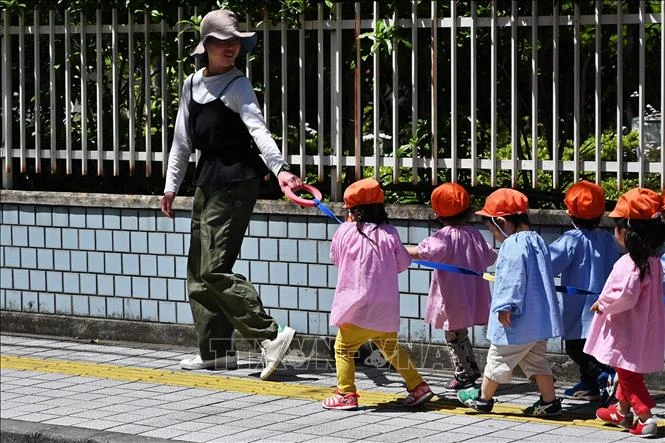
(584,258)
(524,285)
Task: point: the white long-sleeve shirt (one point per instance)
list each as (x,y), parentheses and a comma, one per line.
(240,98)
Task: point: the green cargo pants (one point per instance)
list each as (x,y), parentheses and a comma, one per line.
(222,301)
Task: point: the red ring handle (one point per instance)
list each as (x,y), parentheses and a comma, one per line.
(302,201)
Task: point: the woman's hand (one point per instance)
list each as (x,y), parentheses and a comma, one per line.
(287,180)
(504,318)
(167,204)
(596,308)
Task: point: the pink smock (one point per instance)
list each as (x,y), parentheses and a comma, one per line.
(630,332)
(458,301)
(367,292)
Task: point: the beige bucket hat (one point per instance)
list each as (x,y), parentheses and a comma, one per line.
(223,24)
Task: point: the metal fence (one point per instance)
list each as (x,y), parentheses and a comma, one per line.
(354,119)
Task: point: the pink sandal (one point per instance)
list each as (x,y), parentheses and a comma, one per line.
(341,401)
(419,395)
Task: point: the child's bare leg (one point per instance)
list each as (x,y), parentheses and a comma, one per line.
(545,385)
(624,408)
(645,417)
(488,388)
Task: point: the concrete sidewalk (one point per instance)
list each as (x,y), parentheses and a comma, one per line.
(65,390)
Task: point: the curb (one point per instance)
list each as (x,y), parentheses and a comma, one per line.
(19,431)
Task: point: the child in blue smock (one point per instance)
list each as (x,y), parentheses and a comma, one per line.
(524,311)
(584,257)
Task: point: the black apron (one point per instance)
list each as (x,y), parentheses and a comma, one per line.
(228,152)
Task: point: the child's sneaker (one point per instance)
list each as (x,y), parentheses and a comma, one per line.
(458,383)
(583,391)
(471,398)
(612,415)
(419,395)
(540,408)
(647,429)
(608,382)
(341,401)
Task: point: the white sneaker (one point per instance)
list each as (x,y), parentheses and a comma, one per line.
(274,350)
(227,362)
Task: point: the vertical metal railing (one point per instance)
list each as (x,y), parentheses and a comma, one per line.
(99,72)
(284,88)
(335,101)
(7,158)
(414,87)
(662,95)
(376,104)
(131,95)
(576,92)
(302,119)
(115,123)
(84,95)
(555,95)
(67,84)
(453,90)
(514,134)
(534,92)
(320,128)
(434,93)
(266,66)
(597,91)
(52,89)
(37,94)
(473,94)
(394,113)
(493,125)
(147,109)
(357,104)
(164,100)
(21,92)
(641,92)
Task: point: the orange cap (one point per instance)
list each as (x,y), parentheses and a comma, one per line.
(504,201)
(638,204)
(449,199)
(363,192)
(585,200)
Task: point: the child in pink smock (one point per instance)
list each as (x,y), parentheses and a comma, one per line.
(628,330)
(369,255)
(457,301)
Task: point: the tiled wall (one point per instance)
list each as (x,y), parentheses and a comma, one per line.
(130,263)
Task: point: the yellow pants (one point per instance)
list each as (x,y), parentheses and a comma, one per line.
(351,337)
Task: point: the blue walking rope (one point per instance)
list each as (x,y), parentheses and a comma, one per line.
(453,268)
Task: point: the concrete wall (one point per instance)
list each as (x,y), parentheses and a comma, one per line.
(107,257)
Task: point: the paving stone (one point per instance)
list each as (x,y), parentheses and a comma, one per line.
(295,437)
(66,421)
(35,416)
(510,434)
(11,413)
(100,424)
(357,433)
(404,434)
(164,433)
(132,429)
(448,437)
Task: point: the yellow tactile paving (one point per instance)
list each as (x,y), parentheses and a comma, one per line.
(269,388)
